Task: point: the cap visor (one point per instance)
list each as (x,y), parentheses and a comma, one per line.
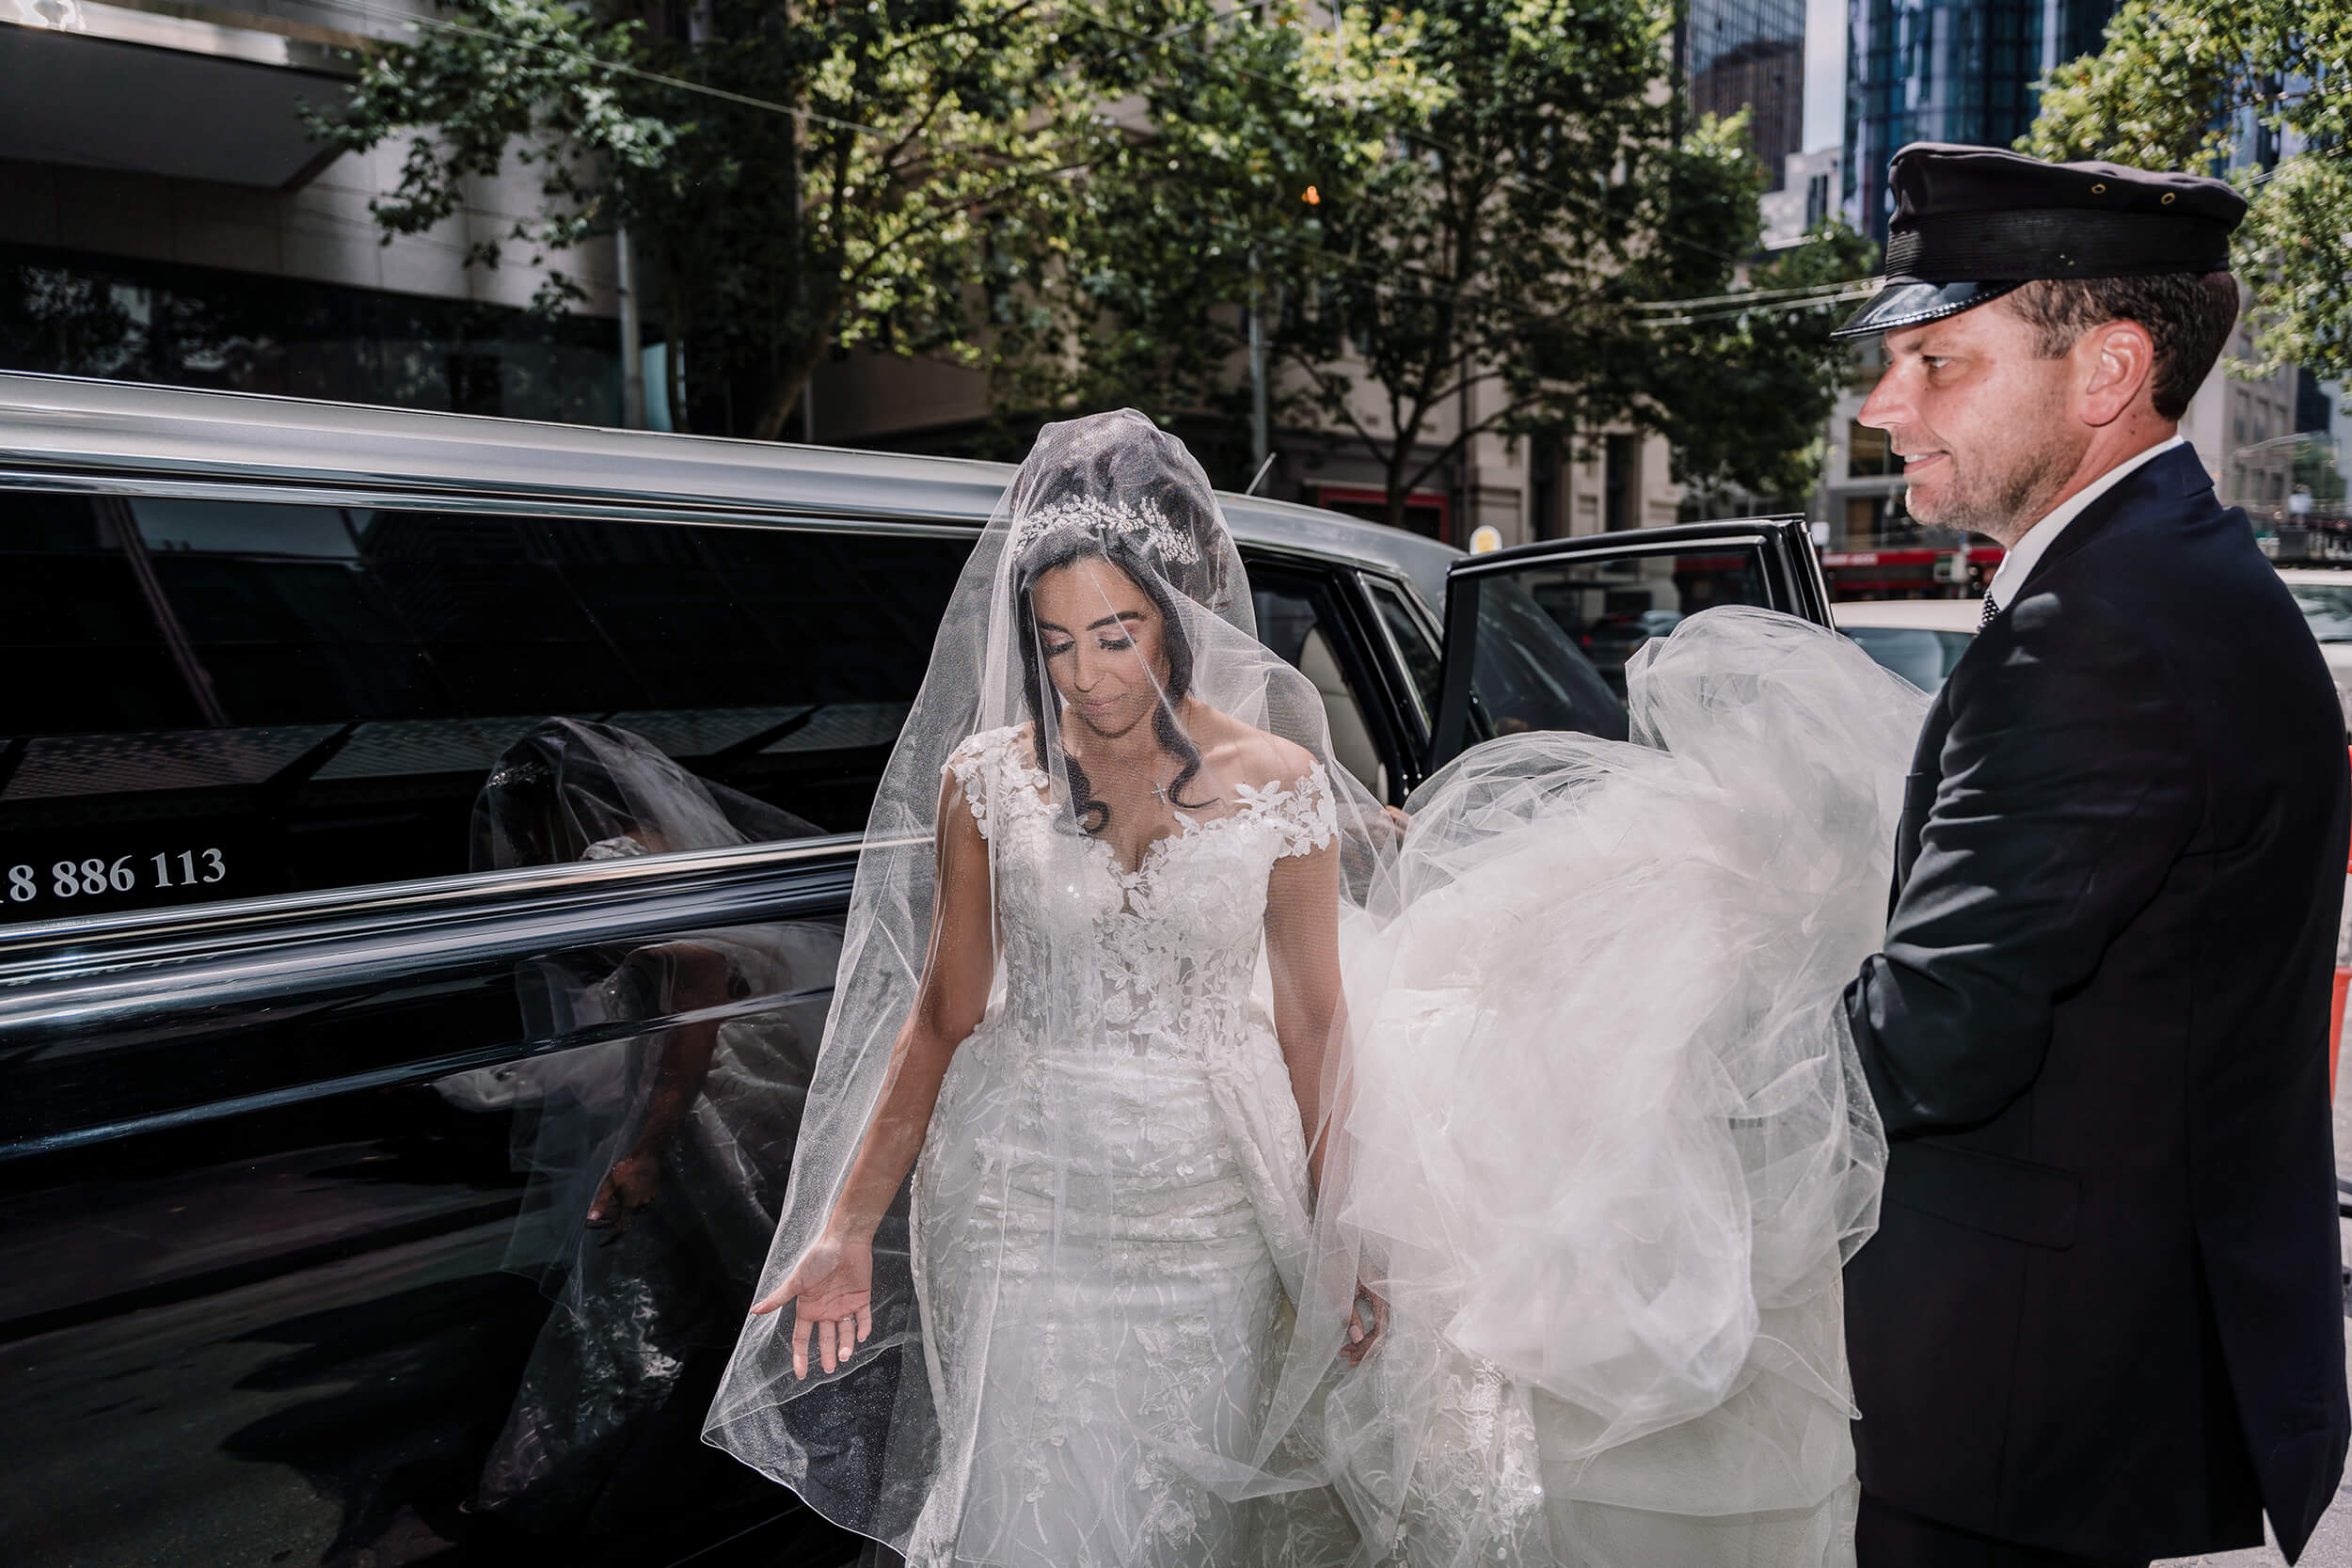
(1900,305)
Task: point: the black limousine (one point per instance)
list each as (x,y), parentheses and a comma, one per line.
(283,1237)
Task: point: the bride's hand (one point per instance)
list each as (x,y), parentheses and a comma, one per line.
(832,1295)
(1362,1341)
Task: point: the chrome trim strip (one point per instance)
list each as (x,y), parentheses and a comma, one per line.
(1409,597)
(32,951)
(168,984)
(417,500)
(1477,565)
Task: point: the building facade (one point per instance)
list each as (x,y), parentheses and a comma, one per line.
(165,215)
(1948,70)
(1750,55)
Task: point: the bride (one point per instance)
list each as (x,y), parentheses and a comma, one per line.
(1090,977)
(1192,1179)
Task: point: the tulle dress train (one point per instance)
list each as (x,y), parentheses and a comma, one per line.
(1607,1145)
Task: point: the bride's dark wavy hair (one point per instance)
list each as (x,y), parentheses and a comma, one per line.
(1066,546)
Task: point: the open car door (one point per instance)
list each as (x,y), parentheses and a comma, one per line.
(1537,638)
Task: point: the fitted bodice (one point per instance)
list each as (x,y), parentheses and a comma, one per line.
(1112,1196)
(1170,948)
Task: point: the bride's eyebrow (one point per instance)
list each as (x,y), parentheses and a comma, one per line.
(1095,626)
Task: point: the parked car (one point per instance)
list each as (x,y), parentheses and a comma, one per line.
(2325,595)
(1920,639)
(285,1053)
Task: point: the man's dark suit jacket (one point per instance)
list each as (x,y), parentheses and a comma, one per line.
(2102,1313)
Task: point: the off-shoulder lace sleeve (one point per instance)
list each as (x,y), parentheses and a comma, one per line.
(970,765)
(1302,813)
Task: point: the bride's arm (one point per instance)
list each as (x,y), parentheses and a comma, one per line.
(948,1007)
(1310,1018)
(1302,944)
(834,1282)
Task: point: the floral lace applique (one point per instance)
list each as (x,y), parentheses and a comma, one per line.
(1101,1261)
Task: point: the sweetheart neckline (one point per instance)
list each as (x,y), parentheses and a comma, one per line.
(1255,802)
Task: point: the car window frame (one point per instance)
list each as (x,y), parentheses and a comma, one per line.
(620,872)
(1418,611)
(1791,576)
(27,947)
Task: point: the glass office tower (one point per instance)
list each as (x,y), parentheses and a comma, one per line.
(1749,54)
(1948,70)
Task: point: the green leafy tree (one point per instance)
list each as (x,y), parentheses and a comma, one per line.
(798,178)
(1502,186)
(1758,375)
(2194,83)
(1240,125)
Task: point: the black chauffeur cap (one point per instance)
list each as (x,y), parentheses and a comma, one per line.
(1972,223)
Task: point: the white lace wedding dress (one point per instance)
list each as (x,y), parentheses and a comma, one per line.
(1107,1225)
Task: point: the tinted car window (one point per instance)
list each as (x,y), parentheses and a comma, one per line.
(1611,607)
(1527,673)
(1298,620)
(248,698)
(1414,645)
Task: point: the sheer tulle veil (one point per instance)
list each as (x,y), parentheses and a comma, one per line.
(1556,1093)
(1606,1144)
(887,1441)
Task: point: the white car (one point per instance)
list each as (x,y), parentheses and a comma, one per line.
(2325,595)
(1920,639)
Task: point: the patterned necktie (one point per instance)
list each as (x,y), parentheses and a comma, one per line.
(1991,609)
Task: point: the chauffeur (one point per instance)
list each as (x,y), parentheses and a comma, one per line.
(2102,1318)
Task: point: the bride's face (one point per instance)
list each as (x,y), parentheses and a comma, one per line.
(1101,639)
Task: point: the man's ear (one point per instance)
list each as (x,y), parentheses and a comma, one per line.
(2117,361)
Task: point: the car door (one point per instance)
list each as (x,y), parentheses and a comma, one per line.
(1326,621)
(1537,638)
(300,1105)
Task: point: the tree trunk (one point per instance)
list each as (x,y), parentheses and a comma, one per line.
(800,362)
(674,350)
(1398,456)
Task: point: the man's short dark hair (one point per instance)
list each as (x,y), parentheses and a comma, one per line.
(2188,316)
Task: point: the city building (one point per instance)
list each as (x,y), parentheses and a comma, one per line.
(1965,70)
(165,215)
(1810,191)
(1948,70)
(1749,55)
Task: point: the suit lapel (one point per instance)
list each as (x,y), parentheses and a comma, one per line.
(2173,476)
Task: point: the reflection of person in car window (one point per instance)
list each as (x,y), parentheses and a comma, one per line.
(657,1161)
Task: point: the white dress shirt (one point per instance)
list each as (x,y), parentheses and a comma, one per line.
(2008,578)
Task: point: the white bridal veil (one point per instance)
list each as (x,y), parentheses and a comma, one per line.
(1118,1076)
(1607,1143)
(1557,1092)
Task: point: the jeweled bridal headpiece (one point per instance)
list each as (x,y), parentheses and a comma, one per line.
(1142,523)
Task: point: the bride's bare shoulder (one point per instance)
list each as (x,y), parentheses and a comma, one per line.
(1252,754)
